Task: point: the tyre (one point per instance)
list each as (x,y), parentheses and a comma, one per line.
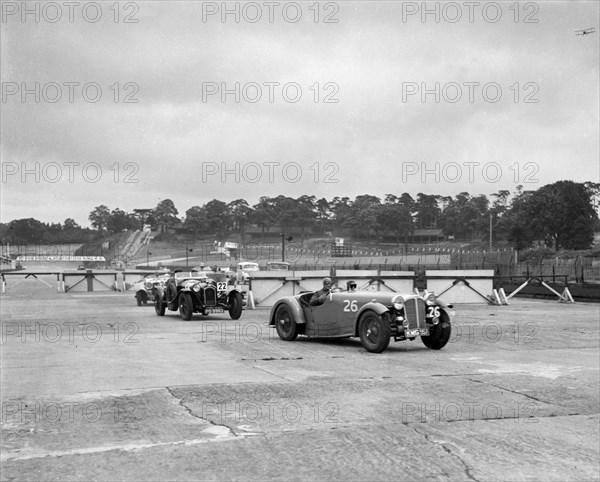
(285,324)
(438,334)
(139,298)
(159,305)
(186,306)
(236,305)
(374,331)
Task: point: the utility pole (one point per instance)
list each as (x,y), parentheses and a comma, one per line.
(282,246)
(148,253)
(186,254)
(490,232)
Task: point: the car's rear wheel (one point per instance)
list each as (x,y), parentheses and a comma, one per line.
(236,305)
(286,326)
(159,305)
(186,306)
(374,331)
(439,334)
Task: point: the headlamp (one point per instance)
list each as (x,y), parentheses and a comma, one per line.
(398,302)
(430,298)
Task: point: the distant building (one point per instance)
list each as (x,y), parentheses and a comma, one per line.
(425,236)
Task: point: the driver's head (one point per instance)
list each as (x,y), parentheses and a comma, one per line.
(327,284)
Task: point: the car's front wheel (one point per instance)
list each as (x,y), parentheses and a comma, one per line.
(374,331)
(235,305)
(286,326)
(159,305)
(439,334)
(141,298)
(186,306)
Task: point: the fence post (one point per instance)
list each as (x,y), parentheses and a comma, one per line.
(90,280)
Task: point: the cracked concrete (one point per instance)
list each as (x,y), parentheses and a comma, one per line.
(191,413)
(444,446)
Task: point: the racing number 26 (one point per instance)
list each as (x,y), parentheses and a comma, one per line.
(350,305)
(434,312)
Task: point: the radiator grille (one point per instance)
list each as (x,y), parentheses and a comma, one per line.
(414,311)
(210,296)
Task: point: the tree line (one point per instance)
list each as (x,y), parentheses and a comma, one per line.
(562,215)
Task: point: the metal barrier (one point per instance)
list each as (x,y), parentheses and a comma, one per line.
(537,285)
(75,281)
(29,275)
(461,286)
(88,281)
(456,286)
(267,287)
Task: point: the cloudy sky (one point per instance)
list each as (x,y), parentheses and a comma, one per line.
(152,100)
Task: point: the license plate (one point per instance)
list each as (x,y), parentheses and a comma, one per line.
(416,332)
(214,310)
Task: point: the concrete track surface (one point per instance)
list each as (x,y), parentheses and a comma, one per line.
(97,388)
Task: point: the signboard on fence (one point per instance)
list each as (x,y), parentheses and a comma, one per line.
(60,258)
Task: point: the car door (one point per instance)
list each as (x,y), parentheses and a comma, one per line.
(348,306)
(328,319)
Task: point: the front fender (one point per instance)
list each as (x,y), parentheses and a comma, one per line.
(160,290)
(449,313)
(373,306)
(443,304)
(294,305)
